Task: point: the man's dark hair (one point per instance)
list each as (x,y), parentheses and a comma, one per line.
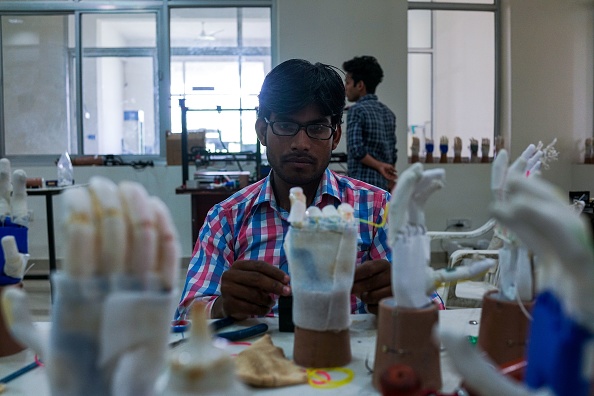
(296,84)
(366,69)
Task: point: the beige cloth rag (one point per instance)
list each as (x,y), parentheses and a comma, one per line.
(264,365)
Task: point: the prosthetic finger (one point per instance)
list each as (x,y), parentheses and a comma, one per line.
(15,307)
(518,167)
(298,206)
(142,236)
(529,152)
(18,203)
(79,230)
(533,164)
(110,225)
(432,180)
(400,201)
(498,173)
(168,249)
(5,187)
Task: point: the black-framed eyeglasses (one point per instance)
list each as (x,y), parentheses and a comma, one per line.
(289,128)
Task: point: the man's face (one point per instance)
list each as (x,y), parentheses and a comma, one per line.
(352,90)
(298,160)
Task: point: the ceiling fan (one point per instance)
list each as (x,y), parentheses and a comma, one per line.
(208,36)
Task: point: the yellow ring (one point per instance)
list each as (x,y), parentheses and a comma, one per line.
(332,384)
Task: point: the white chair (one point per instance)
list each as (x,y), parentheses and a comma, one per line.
(470,293)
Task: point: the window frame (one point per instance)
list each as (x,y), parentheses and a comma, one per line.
(162,93)
(494,7)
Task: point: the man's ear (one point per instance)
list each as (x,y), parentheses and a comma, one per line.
(336,137)
(261,127)
(361,87)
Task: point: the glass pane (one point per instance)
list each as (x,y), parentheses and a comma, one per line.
(256,27)
(419,98)
(451,87)
(211,73)
(36,102)
(253,71)
(464,76)
(213,82)
(119,106)
(203,27)
(419,29)
(119,30)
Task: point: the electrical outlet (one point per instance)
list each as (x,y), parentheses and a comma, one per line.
(458,224)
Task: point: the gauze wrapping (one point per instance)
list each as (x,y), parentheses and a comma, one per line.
(106,340)
(412,249)
(134,339)
(322,268)
(74,345)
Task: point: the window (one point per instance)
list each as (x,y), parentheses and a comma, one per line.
(116,59)
(219,60)
(119,80)
(452,80)
(35,108)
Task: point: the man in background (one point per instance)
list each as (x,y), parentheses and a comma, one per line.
(371,125)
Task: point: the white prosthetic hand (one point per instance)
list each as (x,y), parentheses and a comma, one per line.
(561,346)
(412,278)
(5,187)
(514,273)
(321,248)
(14,220)
(114,297)
(13,195)
(14,261)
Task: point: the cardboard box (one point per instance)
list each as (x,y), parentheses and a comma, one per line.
(195,139)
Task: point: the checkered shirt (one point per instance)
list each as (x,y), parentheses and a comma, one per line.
(371,129)
(250,225)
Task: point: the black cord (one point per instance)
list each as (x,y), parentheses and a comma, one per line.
(116,160)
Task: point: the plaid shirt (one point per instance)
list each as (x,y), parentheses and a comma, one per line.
(371,129)
(250,225)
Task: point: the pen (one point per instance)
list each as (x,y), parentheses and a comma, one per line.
(19,372)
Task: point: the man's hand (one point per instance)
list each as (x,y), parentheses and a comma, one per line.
(372,283)
(246,289)
(388,171)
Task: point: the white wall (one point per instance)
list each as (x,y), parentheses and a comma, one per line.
(550,95)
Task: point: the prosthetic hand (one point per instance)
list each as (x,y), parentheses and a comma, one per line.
(321,248)
(14,219)
(412,278)
(13,195)
(515,268)
(562,331)
(514,274)
(114,298)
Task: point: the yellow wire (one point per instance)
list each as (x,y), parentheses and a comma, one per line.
(384,218)
(332,384)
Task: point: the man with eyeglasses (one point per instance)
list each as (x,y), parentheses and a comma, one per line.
(239,266)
